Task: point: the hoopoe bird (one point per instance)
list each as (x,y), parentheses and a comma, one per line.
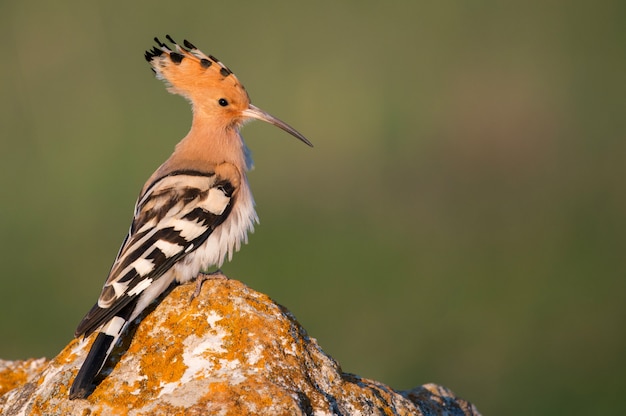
(192,212)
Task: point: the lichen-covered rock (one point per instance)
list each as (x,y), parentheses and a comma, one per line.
(230,351)
(17,373)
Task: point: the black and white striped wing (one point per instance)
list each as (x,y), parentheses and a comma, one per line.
(174,217)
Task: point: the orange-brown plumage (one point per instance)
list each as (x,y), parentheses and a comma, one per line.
(206,83)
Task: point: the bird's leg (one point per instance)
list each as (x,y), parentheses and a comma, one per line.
(202,277)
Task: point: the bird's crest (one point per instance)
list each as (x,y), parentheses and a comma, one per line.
(187,70)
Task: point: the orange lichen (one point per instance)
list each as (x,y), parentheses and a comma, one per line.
(16,373)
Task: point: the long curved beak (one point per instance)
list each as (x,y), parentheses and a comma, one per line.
(255,112)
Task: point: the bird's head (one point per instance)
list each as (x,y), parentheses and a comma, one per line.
(214,91)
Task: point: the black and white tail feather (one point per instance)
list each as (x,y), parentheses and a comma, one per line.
(176,215)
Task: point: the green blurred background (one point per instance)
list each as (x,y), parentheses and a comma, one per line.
(461,219)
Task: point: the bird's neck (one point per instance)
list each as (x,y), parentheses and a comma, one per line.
(209,142)
(206,146)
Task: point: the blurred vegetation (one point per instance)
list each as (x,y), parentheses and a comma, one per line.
(461,219)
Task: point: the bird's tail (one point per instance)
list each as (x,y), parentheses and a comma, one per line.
(100,351)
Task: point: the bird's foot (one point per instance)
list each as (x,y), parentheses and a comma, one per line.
(202,277)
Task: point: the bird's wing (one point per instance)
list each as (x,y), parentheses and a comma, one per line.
(173,217)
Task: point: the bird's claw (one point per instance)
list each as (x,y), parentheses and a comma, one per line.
(202,277)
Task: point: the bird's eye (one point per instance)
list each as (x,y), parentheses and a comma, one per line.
(223,102)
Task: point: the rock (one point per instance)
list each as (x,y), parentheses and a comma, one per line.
(14,374)
(230,351)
